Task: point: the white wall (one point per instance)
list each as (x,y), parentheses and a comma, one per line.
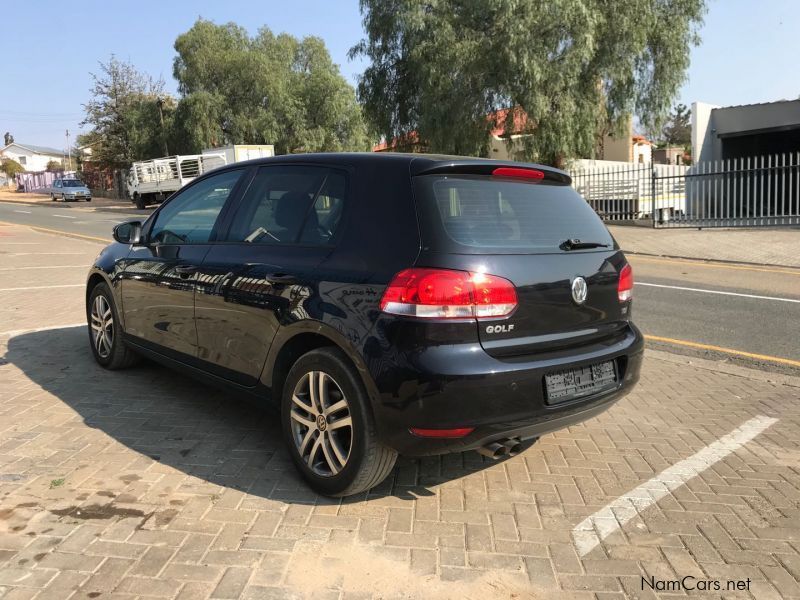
(642,153)
(702,131)
(33,161)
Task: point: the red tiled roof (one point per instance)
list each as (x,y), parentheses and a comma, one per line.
(497,120)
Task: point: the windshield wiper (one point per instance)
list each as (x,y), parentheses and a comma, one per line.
(576,244)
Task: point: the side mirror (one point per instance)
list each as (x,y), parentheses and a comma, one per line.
(128,233)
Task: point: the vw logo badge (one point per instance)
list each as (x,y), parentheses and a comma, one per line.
(579,290)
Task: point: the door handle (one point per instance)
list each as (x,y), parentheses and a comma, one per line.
(184,270)
(280,278)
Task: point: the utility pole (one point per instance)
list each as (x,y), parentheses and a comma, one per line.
(160,104)
(69,153)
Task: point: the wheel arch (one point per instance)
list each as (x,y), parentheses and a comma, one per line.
(98,276)
(95,278)
(291,343)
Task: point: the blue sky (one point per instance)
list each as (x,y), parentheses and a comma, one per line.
(748,54)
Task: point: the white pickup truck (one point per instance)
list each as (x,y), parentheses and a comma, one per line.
(151,181)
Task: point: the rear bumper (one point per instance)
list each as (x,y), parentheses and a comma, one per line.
(455,386)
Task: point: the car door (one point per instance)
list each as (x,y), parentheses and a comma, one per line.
(263,272)
(158,280)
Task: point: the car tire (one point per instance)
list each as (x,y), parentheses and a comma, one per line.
(52,197)
(316,448)
(106,342)
(140,203)
(63,198)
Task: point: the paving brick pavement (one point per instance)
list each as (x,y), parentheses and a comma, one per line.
(142,483)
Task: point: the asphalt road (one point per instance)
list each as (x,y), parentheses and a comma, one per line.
(682,305)
(750,309)
(72,217)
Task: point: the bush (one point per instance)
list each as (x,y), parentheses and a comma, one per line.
(54,165)
(11,168)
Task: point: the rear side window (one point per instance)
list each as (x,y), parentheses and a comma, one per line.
(486,214)
(290,205)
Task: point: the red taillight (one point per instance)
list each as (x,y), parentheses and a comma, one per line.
(446,294)
(442,433)
(625,285)
(517,172)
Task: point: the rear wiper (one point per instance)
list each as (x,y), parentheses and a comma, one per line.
(576,244)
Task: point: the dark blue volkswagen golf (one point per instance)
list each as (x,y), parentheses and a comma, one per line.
(385,303)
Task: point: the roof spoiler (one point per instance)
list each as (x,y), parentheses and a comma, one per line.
(469,167)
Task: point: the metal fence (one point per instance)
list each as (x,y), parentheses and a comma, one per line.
(742,192)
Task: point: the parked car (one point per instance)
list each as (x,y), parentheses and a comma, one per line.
(385,303)
(70,189)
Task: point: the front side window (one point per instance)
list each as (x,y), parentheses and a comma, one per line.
(189,218)
(291,205)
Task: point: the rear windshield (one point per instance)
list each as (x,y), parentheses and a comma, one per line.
(465,213)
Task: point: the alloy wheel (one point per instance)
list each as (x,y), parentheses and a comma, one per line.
(102,326)
(322,426)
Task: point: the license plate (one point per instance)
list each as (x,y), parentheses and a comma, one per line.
(574,383)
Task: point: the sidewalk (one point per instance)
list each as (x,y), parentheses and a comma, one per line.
(780,247)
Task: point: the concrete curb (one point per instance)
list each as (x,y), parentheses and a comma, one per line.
(709,260)
(720,367)
(58,232)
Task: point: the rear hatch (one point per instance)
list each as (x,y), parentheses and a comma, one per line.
(534,230)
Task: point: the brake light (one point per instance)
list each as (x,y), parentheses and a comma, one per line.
(625,285)
(442,433)
(448,294)
(519,173)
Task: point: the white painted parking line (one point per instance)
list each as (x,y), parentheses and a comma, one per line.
(688,289)
(46,267)
(16,332)
(27,212)
(592,530)
(64,216)
(42,287)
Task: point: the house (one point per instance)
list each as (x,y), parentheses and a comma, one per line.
(742,132)
(504,146)
(32,158)
(670,155)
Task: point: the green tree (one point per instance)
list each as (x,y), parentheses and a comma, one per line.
(125,114)
(54,165)
(11,167)
(439,67)
(677,130)
(267,89)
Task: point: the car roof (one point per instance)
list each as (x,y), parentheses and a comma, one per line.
(416,163)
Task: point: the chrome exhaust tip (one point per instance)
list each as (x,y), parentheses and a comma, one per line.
(493,450)
(514,446)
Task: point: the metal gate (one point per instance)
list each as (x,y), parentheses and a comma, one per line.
(743,192)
